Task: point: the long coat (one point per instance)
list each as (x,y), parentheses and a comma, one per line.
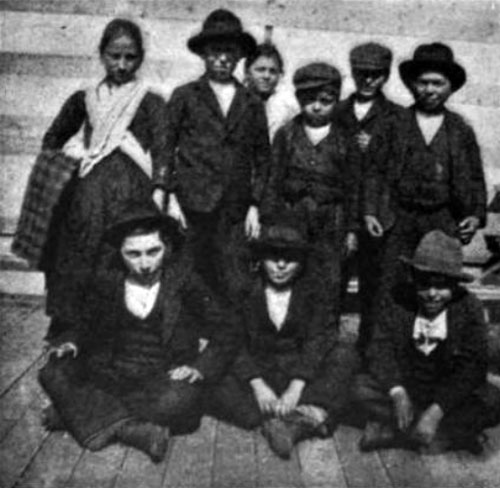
(211,158)
(465,357)
(388,159)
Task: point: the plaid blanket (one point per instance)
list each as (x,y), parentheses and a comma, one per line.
(49,176)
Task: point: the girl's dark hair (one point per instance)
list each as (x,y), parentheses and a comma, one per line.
(119,27)
(266,50)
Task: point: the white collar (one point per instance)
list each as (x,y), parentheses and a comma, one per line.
(427,332)
(140,299)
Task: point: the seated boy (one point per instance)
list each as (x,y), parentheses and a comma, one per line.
(291,376)
(129,367)
(217,150)
(428,359)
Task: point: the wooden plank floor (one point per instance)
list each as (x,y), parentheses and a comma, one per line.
(217,456)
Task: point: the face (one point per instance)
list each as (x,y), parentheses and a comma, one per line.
(143,256)
(121,59)
(434,292)
(221,59)
(317,106)
(369,82)
(281,270)
(431,91)
(263,75)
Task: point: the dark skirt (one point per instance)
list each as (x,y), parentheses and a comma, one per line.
(77,249)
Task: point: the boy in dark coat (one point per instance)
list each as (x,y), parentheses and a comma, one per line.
(217,149)
(291,376)
(315,171)
(361,115)
(129,366)
(426,171)
(427,383)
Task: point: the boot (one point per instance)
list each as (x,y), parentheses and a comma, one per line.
(279,437)
(51,419)
(146,437)
(378,436)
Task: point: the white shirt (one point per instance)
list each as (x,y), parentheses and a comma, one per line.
(140,299)
(281,107)
(429,125)
(277,302)
(426,332)
(362,108)
(317,134)
(224,93)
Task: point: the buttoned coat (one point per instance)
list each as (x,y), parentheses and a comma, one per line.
(389,155)
(465,359)
(212,158)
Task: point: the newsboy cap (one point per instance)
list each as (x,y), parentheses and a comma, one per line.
(317,75)
(371,56)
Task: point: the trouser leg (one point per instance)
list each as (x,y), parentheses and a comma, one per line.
(90,414)
(234,402)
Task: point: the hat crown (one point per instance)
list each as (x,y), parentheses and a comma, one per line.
(371,55)
(317,75)
(439,253)
(222,20)
(284,230)
(435,52)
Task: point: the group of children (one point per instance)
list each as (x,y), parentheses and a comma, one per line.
(270,228)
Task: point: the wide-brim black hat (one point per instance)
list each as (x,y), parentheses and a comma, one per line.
(146,216)
(222,25)
(440,254)
(433,57)
(283,233)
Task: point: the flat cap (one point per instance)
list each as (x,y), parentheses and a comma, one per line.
(371,56)
(317,75)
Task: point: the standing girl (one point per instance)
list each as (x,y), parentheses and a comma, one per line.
(75,189)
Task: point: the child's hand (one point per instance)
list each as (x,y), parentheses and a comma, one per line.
(264,395)
(252,223)
(428,424)
(174,210)
(373,226)
(290,398)
(159,198)
(185,373)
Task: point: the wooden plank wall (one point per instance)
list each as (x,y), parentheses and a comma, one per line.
(48,50)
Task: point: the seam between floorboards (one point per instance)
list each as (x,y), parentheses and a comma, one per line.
(21,376)
(30,461)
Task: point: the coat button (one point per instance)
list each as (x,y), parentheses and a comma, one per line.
(312,162)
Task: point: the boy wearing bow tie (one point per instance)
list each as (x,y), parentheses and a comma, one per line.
(427,385)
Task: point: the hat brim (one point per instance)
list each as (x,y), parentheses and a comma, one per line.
(262,248)
(314,85)
(169,228)
(410,70)
(461,276)
(246,42)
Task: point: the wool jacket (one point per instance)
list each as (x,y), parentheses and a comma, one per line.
(188,312)
(389,156)
(327,173)
(214,159)
(304,339)
(464,365)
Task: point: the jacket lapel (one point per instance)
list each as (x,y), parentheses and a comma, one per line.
(173,279)
(238,107)
(208,98)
